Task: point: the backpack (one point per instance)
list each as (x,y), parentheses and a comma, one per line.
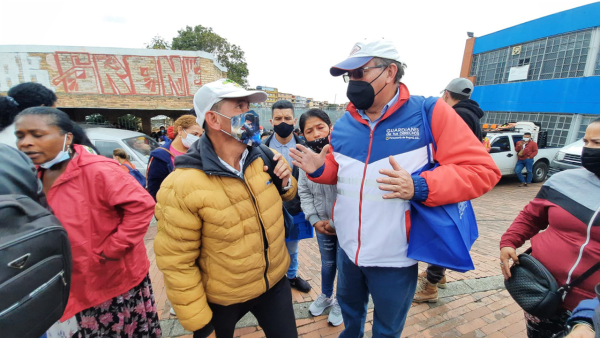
(137,175)
(35,267)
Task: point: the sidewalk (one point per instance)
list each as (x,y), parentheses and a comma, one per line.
(475,304)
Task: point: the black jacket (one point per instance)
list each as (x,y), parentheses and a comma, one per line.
(18,175)
(470,112)
(293,206)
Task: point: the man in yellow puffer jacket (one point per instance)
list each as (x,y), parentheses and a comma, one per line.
(220,241)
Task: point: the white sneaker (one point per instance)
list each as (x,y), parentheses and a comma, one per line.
(319,305)
(335,315)
(172,312)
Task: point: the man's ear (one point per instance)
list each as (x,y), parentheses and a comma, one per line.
(212,120)
(391,73)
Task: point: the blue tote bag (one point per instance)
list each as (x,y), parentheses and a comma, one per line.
(441,235)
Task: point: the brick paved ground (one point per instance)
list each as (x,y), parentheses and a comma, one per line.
(484,314)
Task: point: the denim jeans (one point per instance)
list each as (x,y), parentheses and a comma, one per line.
(392,290)
(292,248)
(527,163)
(328,248)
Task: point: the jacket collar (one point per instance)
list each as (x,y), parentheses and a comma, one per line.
(202,156)
(402,99)
(296,138)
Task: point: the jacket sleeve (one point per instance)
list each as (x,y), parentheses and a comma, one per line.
(531,220)
(519,146)
(466,170)
(327,174)
(584,312)
(157,172)
(307,200)
(123,192)
(177,247)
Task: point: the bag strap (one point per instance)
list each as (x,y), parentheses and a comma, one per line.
(267,157)
(428,133)
(167,150)
(128,167)
(581,278)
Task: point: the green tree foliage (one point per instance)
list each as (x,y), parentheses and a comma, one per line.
(158,42)
(205,39)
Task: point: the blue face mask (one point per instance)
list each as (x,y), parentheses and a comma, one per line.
(62,156)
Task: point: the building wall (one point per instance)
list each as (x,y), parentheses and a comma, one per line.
(558,57)
(119,78)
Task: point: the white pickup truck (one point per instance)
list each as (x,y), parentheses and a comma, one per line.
(504,154)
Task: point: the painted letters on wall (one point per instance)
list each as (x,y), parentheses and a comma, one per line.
(110,74)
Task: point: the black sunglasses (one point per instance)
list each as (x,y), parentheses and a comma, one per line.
(358,73)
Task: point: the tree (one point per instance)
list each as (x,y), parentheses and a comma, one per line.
(158,42)
(205,39)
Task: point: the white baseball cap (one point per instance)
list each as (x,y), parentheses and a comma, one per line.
(363,52)
(216,91)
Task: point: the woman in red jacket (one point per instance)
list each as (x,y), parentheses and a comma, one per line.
(106,214)
(567,209)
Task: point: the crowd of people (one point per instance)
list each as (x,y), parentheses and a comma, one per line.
(226,195)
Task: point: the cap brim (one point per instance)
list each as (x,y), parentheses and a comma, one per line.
(349,64)
(254,96)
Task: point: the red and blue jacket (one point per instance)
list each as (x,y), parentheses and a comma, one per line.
(374,231)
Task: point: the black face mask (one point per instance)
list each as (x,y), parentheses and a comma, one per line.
(318,144)
(590,159)
(361,93)
(283,129)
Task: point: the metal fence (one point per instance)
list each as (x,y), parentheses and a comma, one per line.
(557,125)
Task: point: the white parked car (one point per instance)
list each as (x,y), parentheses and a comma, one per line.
(137,145)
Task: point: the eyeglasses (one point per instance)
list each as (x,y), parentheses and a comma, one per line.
(358,73)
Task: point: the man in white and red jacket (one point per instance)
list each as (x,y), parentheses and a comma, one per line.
(375,146)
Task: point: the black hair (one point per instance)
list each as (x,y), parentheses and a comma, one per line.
(161,127)
(249,117)
(21,97)
(62,121)
(315,112)
(527,133)
(193,112)
(458,97)
(282,104)
(483,134)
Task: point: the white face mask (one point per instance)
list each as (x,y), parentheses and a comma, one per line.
(526,139)
(189,139)
(62,156)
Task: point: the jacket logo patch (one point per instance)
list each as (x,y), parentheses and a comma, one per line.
(354,50)
(402,134)
(462,206)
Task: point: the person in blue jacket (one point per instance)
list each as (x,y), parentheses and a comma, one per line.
(186,131)
(585,319)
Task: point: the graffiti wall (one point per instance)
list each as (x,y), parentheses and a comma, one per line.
(108,71)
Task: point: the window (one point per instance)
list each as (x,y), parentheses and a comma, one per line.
(106,147)
(502,142)
(556,57)
(597,69)
(142,145)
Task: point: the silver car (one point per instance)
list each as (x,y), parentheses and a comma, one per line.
(569,157)
(137,145)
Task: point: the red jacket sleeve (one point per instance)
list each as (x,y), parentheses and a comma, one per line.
(123,192)
(329,171)
(519,146)
(531,220)
(466,170)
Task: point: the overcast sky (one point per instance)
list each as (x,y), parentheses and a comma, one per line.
(288,44)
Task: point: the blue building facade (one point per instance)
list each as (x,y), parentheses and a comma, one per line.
(546,70)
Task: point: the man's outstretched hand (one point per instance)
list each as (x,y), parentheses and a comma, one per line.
(308,160)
